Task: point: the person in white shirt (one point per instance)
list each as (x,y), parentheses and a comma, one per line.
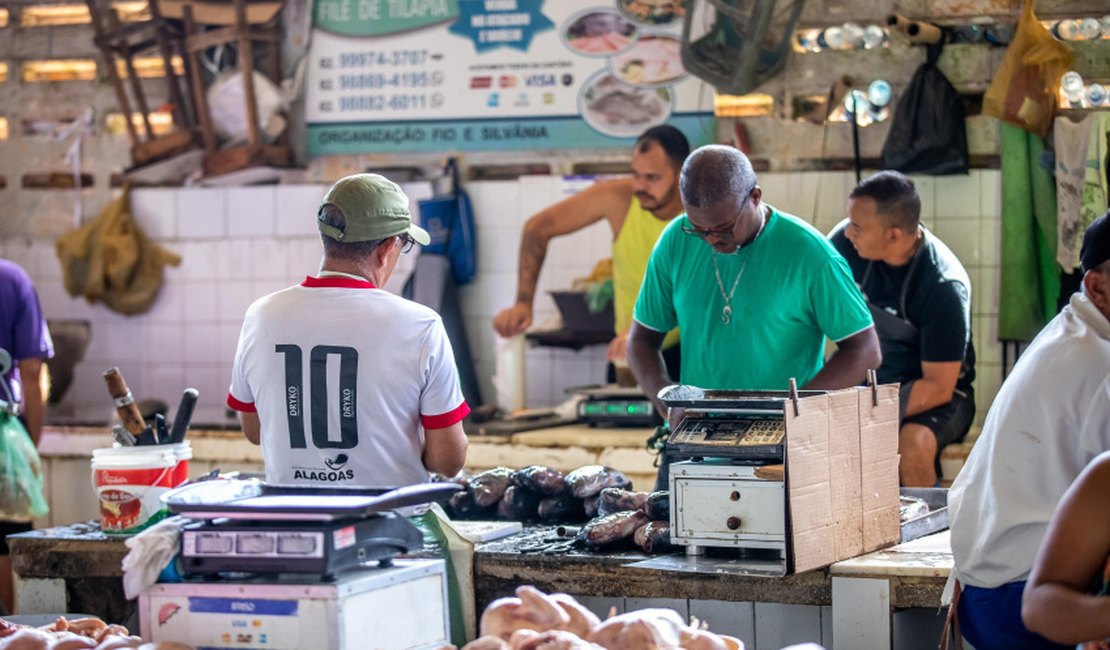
(343,383)
(1050,419)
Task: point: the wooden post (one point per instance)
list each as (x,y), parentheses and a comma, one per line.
(246,68)
(133,77)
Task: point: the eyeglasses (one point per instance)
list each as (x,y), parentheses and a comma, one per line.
(407,242)
(725,233)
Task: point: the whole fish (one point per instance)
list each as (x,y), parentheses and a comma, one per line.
(589,506)
(658,506)
(542,479)
(653,536)
(615,500)
(461,506)
(518,504)
(559,509)
(592,479)
(611,529)
(489,486)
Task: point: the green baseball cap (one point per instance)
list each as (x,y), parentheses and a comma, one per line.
(375,208)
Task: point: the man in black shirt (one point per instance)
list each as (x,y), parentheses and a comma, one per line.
(920,297)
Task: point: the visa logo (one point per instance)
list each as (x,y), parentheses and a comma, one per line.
(541,80)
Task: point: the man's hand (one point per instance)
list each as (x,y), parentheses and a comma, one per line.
(618,349)
(513,321)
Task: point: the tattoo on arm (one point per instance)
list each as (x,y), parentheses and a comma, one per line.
(532,254)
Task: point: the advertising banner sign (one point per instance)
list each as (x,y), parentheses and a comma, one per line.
(472,75)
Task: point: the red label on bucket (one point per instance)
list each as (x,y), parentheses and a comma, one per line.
(129,498)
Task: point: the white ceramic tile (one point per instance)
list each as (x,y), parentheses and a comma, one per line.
(962,236)
(201,300)
(202,213)
(296,209)
(270,259)
(88,386)
(169,304)
(234,298)
(199,260)
(229,340)
(775,186)
(602,606)
(984,295)
(251,211)
(155,210)
(831,200)
(926,188)
(723,617)
(23,253)
(261,288)
(778,626)
(990,197)
(167,382)
(498,249)
(235,258)
(533,194)
(46,256)
(53,298)
(957,196)
(202,343)
(304,258)
(988,378)
(165,342)
(990,236)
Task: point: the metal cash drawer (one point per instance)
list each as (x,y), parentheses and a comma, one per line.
(718,504)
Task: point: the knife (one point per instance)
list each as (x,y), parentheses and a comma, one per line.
(184,415)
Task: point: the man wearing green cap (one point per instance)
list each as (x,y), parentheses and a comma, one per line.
(341,382)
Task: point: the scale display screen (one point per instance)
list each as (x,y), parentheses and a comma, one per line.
(729,437)
(242,544)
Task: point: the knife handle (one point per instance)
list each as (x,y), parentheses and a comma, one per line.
(184,415)
(126,407)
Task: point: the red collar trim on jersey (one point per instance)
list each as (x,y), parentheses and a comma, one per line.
(336,282)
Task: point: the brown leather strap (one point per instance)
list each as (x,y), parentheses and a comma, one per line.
(952,622)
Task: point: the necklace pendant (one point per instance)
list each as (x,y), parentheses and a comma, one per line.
(726,314)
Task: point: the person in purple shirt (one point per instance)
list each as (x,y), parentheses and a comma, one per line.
(24,336)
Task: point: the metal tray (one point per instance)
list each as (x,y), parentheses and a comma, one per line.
(255,500)
(692,397)
(934,521)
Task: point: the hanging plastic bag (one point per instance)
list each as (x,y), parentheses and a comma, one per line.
(1024,90)
(449,221)
(928,134)
(21,480)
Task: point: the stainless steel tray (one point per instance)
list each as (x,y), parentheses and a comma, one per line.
(255,500)
(934,521)
(692,397)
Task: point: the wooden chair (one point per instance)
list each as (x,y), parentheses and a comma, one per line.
(245,36)
(120,43)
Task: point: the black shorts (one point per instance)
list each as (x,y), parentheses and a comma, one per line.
(949,422)
(11,528)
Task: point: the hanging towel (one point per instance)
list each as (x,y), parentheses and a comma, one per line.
(1030,277)
(1081,183)
(111,260)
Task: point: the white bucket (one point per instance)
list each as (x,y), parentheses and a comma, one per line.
(182,453)
(129,483)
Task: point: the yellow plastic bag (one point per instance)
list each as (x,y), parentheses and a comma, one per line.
(1024,90)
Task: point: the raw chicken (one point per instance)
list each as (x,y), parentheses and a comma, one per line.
(488,642)
(645,629)
(530,610)
(582,620)
(550,640)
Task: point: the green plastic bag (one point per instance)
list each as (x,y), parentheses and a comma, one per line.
(21,480)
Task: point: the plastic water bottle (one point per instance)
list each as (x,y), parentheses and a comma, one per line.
(1072,85)
(878,93)
(1096,95)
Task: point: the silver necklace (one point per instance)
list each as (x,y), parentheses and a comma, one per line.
(726,311)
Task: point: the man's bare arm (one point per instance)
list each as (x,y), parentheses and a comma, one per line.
(604,200)
(445,449)
(31,373)
(848,366)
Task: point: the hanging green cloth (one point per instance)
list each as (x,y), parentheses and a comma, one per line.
(1030,277)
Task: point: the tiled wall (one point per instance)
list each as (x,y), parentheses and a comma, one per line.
(240,243)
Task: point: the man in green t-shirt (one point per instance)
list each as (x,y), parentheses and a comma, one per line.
(754,291)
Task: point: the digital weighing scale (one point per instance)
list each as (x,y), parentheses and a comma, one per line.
(252,527)
(616,406)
